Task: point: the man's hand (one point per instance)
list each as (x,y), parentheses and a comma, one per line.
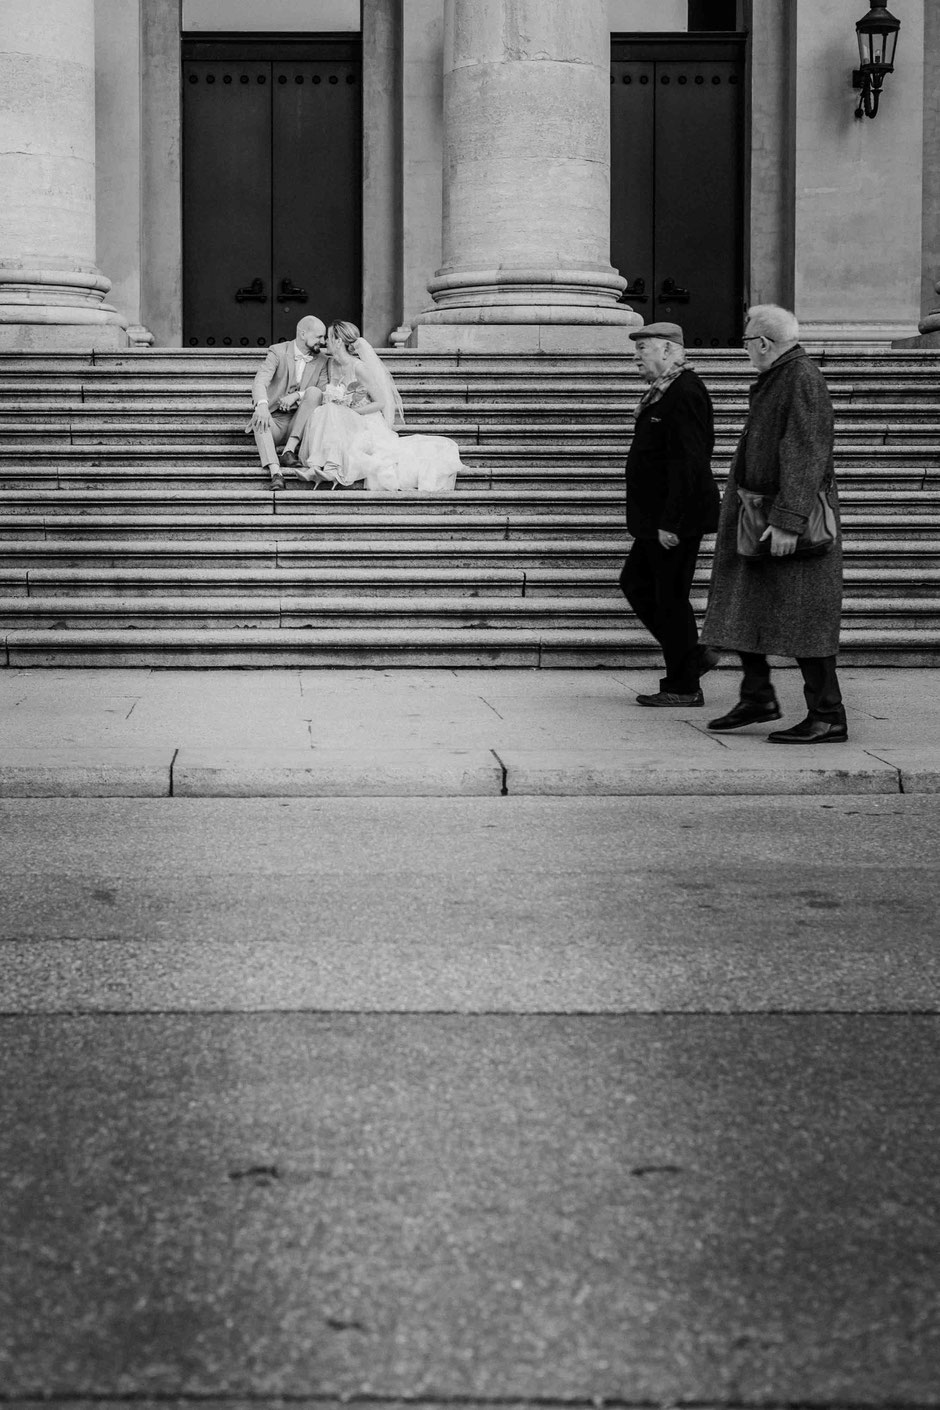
(289,400)
(668,540)
(261,420)
(782,542)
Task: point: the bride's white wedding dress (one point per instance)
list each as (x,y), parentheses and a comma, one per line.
(346,446)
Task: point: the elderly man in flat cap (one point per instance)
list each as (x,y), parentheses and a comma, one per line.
(287,389)
(672,502)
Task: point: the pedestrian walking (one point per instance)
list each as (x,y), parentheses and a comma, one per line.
(776,585)
(672,501)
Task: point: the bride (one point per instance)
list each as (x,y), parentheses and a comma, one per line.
(351,436)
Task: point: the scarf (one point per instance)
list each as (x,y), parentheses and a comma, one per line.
(655,390)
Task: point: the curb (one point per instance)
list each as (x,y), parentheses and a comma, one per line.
(190,772)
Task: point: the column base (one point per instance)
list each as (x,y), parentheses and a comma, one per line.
(923,340)
(42,309)
(524,337)
(851,337)
(928,336)
(62,337)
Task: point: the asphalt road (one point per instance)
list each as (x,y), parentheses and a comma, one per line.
(482,1101)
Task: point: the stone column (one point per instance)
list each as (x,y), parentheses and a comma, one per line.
(526,226)
(51,293)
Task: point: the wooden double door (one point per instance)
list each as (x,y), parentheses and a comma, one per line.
(677,182)
(272,183)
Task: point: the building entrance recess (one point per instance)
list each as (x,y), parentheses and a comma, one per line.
(272,187)
(677,181)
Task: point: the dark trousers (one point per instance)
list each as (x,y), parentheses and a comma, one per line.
(656,582)
(820,685)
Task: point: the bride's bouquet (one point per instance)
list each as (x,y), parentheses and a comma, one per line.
(336,392)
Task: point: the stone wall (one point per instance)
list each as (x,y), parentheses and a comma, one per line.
(858,182)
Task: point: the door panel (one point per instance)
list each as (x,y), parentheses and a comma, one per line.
(698,199)
(632,174)
(226,202)
(677,196)
(272,181)
(317,186)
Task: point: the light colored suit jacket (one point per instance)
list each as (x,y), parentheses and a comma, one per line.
(275,375)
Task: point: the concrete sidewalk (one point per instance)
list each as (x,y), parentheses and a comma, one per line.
(441,733)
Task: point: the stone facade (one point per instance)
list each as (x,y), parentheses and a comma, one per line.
(467,103)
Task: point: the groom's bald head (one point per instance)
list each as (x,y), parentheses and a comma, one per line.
(310,331)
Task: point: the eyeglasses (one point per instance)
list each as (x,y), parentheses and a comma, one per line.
(755,338)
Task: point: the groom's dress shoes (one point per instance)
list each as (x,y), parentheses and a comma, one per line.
(277,480)
(290,460)
(746,712)
(811,731)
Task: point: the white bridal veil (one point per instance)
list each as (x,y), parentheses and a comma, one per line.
(380,378)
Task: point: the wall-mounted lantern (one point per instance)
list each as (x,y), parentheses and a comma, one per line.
(877,40)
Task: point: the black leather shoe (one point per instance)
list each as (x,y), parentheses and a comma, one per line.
(746,712)
(277,480)
(810,731)
(290,460)
(672,697)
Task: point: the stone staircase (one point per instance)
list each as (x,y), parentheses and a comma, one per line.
(138,530)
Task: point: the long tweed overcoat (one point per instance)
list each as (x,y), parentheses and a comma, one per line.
(779,606)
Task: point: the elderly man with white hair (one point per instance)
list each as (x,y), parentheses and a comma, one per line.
(672,500)
(776,586)
(286,391)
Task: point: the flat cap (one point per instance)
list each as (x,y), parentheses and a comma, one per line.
(672,331)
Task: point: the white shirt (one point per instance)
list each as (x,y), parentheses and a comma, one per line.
(301,358)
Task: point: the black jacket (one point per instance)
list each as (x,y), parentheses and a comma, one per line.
(669,478)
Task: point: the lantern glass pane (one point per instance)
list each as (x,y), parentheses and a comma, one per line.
(891,43)
(864,52)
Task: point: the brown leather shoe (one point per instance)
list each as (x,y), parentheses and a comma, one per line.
(290,460)
(277,480)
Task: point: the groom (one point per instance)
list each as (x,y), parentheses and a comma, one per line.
(286,391)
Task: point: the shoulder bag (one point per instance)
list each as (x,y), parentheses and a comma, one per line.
(817,537)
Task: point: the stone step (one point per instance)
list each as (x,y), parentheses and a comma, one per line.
(612,439)
(304,499)
(583,478)
(217,403)
(922,528)
(540,397)
(312,524)
(211,408)
(174,360)
(395,647)
(75,612)
(329,551)
(490,455)
(480,498)
(303,551)
(455,581)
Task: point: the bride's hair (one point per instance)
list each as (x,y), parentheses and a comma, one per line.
(383,388)
(347,333)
